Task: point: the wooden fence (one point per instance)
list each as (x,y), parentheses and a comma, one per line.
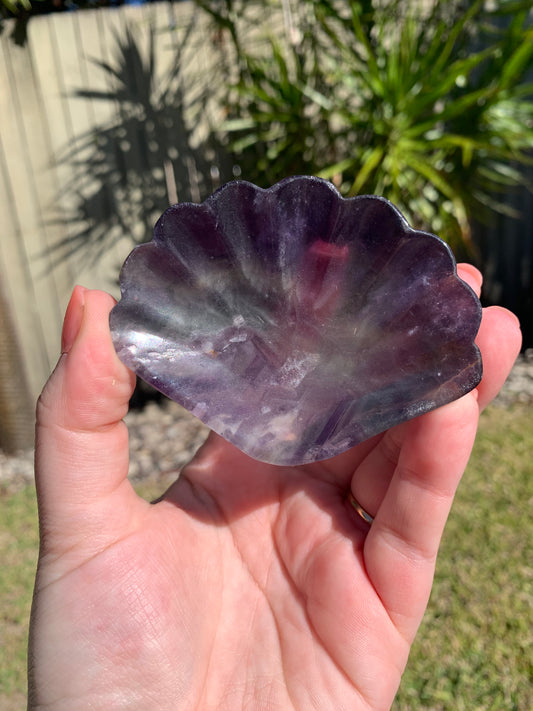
(72,159)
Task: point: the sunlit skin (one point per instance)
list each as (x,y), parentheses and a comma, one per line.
(247,586)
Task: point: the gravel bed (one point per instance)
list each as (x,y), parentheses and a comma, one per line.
(519,385)
(164,436)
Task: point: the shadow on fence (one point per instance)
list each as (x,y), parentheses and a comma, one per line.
(126,171)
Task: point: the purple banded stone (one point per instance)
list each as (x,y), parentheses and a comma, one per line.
(294,322)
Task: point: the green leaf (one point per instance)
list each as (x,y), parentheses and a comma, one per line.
(437,87)
(238,124)
(374,75)
(514,68)
(446,188)
(370,161)
(318,98)
(455,108)
(453,36)
(13,5)
(336,168)
(242,144)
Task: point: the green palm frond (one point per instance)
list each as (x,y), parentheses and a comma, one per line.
(427,107)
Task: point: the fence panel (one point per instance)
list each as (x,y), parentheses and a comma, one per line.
(65,152)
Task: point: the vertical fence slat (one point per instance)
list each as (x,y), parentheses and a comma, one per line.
(41,120)
(26,221)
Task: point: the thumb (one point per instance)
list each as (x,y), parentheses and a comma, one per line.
(81,452)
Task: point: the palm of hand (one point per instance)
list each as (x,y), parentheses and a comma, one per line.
(246,583)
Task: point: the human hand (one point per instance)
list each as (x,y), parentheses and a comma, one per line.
(247,585)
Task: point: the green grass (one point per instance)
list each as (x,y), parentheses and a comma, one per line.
(18,556)
(475,647)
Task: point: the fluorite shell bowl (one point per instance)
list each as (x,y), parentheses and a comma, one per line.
(296,323)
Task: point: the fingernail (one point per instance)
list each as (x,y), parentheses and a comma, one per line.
(73,318)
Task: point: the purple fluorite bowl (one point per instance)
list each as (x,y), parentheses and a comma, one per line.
(296,323)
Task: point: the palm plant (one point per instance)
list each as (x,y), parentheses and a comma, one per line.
(428,107)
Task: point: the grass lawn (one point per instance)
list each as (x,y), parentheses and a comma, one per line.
(475,647)
(474,650)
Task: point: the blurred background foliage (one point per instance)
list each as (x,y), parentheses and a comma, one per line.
(427,105)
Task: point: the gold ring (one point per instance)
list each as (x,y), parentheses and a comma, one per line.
(367,518)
